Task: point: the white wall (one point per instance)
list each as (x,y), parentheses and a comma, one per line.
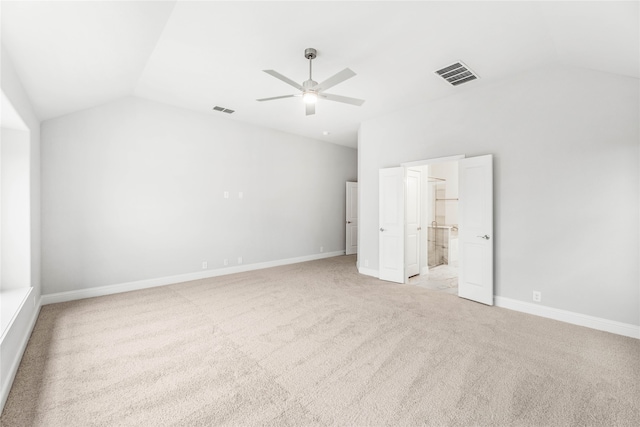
(133,190)
(566,147)
(15,230)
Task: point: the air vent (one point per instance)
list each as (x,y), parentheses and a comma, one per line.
(223,110)
(457,73)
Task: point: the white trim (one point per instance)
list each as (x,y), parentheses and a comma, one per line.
(169,280)
(432,161)
(619,328)
(7,382)
(368,272)
(15,308)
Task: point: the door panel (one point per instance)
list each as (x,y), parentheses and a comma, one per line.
(475,280)
(412,226)
(391,220)
(351,232)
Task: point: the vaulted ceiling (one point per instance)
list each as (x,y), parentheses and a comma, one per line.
(198,54)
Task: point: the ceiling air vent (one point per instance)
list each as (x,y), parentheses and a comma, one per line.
(224,110)
(457,73)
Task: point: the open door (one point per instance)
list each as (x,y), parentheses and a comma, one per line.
(412,224)
(391,220)
(475,280)
(351,232)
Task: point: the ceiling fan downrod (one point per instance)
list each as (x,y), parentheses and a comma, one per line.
(310,53)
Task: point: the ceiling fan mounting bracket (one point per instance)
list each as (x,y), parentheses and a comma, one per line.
(310,53)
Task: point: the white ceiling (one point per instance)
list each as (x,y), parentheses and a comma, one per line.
(75,55)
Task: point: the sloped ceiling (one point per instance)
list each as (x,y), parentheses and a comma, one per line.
(198,54)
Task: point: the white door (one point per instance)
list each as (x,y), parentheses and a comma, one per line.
(475,281)
(391,220)
(412,223)
(351,246)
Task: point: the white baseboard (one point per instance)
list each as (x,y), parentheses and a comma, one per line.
(368,272)
(169,280)
(598,323)
(7,381)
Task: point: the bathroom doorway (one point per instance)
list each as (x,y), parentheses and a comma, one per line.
(440,241)
(475,227)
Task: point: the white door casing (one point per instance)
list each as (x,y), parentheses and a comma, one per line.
(412,222)
(351,246)
(475,281)
(391,220)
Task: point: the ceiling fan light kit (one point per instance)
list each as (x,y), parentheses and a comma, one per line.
(312,90)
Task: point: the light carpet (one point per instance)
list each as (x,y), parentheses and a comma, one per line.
(316,343)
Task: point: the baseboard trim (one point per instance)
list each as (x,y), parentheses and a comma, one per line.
(598,323)
(7,382)
(368,272)
(169,280)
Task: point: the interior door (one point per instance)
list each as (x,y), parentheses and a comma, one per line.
(351,246)
(391,220)
(412,224)
(475,281)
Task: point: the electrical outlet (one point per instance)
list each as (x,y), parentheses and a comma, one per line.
(240,195)
(321,248)
(204,265)
(366,263)
(226,261)
(226,194)
(239,260)
(537,296)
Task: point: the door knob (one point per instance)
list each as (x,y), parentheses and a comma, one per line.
(486,237)
(381,229)
(419,228)
(348,222)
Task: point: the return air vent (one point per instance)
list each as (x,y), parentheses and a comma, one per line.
(457,73)
(223,110)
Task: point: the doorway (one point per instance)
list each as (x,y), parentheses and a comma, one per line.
(474,225)
(439,201)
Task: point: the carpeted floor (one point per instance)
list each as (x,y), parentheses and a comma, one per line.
(316,344)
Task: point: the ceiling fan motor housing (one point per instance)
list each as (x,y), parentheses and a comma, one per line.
(308,84)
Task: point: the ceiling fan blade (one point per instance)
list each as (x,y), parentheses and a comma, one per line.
(276,97)
(345,99)
(310,109)
(334,80)
(287,80)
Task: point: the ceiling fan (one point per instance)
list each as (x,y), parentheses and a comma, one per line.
(311,90)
